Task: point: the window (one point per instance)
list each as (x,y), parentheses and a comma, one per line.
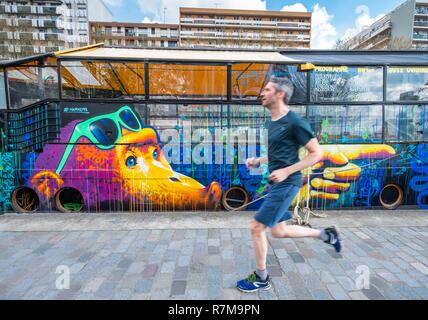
(407,84)
(406,123)
(187,81)
(2,91)
(24,86)
(95,79)
(346,124)
(249,79)
(343,83)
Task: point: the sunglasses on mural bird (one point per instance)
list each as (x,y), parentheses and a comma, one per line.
(104,131)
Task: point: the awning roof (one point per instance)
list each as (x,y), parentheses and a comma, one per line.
(182,55)
(330,57)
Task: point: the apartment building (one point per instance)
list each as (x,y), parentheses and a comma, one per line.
(75,17)
(226,28)
(406,27)
(39,26)
(29,27)
(134,34)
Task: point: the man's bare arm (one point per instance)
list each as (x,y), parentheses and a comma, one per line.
(314,155)
(256,162)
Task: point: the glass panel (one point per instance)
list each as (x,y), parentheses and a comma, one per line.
(346,124)
(248,80)
(3,104)
(50,82)
(406,123)
(343,83)
(407,84)
(28,85)
(187,81)
(94,79)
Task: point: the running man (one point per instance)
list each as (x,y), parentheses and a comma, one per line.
(287,131)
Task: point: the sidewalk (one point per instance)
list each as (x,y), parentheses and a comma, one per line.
(183,255)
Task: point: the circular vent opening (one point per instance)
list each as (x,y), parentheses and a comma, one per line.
(69,200)
(234,197)
(25,200)
(391,196)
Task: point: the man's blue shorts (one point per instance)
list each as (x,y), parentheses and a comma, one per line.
(275,206)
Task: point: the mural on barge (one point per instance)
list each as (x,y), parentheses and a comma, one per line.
(115,161)
(108,159)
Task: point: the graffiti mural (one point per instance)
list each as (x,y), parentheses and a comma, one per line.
(419,182)
(114,161)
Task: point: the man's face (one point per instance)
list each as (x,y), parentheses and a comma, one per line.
(269,96)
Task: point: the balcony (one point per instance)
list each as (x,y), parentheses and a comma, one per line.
(246,23)
(421,24)
(244,36)
(420,37)
(359,41)
(421,11)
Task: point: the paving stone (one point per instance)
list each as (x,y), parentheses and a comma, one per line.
(184,261)
(358,295)
(106,290)
(321,295)
(213,250)
(388,276)
(167,267)
(337,292)
(408,280)
(150,271)
(196,294)
(421,267)
(125,263)
(180,273)
(347,283)
(143,286)
(327,277)
(373,294)
(422,292)
(93,284)
(178,287)
(297,257)
(274,271)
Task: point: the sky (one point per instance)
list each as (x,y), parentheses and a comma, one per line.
(332,20)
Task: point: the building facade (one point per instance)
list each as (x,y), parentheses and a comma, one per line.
(29,28)
(225,28)
(133,34)
(405,27)
(33,27)
(75,17)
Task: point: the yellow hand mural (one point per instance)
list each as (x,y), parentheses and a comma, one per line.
(336,172)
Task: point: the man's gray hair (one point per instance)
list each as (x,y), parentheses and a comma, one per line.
(283,84)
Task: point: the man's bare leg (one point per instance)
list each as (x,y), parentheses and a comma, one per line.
(258,234)
(282,230)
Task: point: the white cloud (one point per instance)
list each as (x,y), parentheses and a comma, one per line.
(154,9)
(113,3)
(323,33)
(148,20)
(363,20)
(297,7)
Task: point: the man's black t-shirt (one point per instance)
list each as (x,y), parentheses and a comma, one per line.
(286,135)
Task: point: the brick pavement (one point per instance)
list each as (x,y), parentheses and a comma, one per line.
(205,262)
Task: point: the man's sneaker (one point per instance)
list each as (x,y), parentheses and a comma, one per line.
(333,238)
(253,283)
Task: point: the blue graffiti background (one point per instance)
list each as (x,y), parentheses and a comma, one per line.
(419,182)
